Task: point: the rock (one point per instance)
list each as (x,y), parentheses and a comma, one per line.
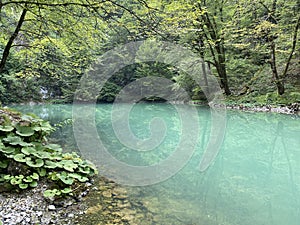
(123,205)
(121,197)
(107,194)
(88,184)
(119,191)
(94,209)
(127,217)
(51,207)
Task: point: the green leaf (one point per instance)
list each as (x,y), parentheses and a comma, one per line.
(50,164)
(4,163)
(65,178)
(51,193)
(24,131)
(16,140)
(79,177)
(36,163)
(42,172)
(27,118)
(16,179)
(68,165)
(28,179)
(6,128)
(37,153)
(23,186)
(66,190)
(35,176)
(7,177)
(8,150)
(13,140)
(28,150)
(85,170)
(53,176)
(44,126)
(53,147)
(1,145)
(20,157)
(33,184)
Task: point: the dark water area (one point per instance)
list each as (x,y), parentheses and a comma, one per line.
(254,179)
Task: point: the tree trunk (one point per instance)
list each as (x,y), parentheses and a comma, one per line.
(217,50)
(9,44)
(223,77)
(293,48)
(221,67)
(279,82)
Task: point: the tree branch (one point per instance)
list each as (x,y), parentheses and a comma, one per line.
(293,48)
(11,40)
(54,4)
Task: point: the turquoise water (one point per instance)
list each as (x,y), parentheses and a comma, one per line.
(255,178)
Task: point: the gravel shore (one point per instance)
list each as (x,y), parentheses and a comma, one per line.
(30,207)
(291,109)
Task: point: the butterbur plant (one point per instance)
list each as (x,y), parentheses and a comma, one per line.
(26,156)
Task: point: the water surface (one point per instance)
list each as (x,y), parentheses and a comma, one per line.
(255,178)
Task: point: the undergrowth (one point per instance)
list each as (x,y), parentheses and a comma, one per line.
(26,157)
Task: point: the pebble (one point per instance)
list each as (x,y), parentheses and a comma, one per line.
(51,207)
(30,208)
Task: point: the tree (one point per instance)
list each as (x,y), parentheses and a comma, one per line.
(200,25)
(56,41)
(268,33)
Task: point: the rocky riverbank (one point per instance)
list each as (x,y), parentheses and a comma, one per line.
(285,109)
(103,202)
(289,109)
(30,207)
(109,203)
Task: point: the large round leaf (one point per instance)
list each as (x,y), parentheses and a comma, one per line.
(79,177)
(28,150)
(68,165)
(24,131)
(53,148)
(35,163)
(42,172)
(51,193)
(37,153)
(34,176)
(33,184)
(66,190)
(6,128)
(23,186)
(20,157)
(65,178)
(16,140)
(28,179)
(50,164)
(8,150)
(13,140)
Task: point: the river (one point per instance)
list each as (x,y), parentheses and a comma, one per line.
(254,178)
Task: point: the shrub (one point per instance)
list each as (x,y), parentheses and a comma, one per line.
(26,156)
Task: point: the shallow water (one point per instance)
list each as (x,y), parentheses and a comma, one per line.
(255,178)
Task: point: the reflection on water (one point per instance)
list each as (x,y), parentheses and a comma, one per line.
(254,180)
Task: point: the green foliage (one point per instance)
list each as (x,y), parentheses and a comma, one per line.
(26,156)
(56,45)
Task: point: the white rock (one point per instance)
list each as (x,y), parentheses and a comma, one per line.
(51,207)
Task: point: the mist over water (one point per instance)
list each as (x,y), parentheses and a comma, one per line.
(255,178)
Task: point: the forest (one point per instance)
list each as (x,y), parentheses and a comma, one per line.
(252,47)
